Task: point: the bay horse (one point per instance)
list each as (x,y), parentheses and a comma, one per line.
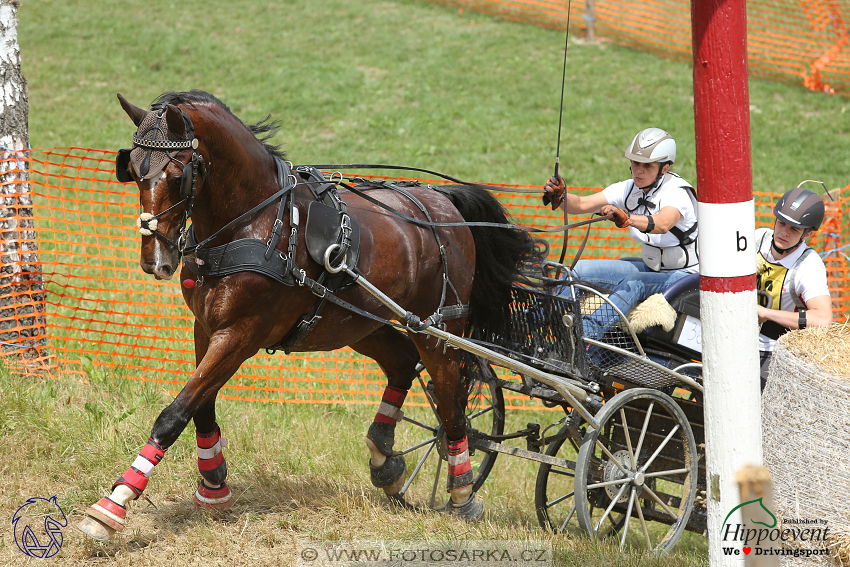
(249,279)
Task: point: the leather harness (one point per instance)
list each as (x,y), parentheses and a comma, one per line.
(331,236)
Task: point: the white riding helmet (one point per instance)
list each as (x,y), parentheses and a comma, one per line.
(652,145)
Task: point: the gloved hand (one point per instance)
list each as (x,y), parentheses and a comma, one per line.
(621,217)
(553,192)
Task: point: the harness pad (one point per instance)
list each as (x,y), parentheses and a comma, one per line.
(324,229)
(245,255)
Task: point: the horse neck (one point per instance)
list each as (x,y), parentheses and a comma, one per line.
(237,180)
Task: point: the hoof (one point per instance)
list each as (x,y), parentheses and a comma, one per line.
(472,510)
(103,520)
(399,503)
(388,474)
(213,498)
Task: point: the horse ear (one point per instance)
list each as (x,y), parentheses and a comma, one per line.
(135,113)
(174,119)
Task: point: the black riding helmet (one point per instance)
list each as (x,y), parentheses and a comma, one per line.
(800,207)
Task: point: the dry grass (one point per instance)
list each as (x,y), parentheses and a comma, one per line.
(296,472)
(826,347)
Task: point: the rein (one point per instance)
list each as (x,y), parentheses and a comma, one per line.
(406,168)
(278,195)
(481,224)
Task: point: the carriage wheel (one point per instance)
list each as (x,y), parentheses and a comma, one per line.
(427,471)
(642,461)
(554,491)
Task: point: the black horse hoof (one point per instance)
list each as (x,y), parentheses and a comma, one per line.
(389,473)
(472,510)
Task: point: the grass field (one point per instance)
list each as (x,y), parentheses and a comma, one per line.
(381,81)
(399,81)
(297,472)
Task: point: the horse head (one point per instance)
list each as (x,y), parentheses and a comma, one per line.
(167,165)
(175,147)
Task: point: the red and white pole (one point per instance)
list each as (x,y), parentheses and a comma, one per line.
(727,259)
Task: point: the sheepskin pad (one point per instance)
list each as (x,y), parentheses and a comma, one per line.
(655,310)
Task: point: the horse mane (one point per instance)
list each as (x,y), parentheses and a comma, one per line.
(264,130)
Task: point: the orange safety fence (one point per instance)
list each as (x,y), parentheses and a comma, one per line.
(803,42)
(104,319)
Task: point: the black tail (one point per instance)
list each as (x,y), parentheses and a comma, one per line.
(499,256)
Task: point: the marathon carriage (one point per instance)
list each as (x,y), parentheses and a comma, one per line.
(645,487)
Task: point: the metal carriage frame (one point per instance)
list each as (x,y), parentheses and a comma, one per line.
(633,417)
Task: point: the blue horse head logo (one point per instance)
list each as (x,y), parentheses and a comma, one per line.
(25,537)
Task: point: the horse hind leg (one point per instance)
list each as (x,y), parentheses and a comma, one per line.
(213,492)
(451,395)
(397,356)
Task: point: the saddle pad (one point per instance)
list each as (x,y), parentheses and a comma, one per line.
(324,230)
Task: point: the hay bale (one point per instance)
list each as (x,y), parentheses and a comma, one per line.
(806,434)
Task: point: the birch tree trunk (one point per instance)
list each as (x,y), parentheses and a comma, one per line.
(22,322)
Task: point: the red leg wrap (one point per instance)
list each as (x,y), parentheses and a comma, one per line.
(389,411)
(210,456)
(216,498)
(136,477)
(460,468)
(108,512)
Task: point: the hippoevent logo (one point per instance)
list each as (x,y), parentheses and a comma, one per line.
(39,513)
(795,537)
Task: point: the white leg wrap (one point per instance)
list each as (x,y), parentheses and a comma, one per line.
(122,494)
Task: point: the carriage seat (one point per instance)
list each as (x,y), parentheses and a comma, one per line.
(683,297)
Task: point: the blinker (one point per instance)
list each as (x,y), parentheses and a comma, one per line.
(122,166)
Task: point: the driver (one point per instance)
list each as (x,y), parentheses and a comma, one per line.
(790,272)
(660,210)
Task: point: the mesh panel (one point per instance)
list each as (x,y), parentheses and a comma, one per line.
(539,330)
(612,364)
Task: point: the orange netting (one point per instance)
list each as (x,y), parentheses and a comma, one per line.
(106,319)
(802,42)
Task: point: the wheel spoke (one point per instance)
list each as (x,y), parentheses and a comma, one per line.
(418,445)
(611,457)
(567,521)
(628,516)
(672,472)
(660,447)
(608,483)
(657,499)
(628,436)
(436,482)
(428,397)
(645,424)
(419,424)
(643,527)
(559,500)
(416,470)
(609,508)
(481,412)
(565,472)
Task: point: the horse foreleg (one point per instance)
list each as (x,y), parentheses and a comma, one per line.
(228,349)
(397,356)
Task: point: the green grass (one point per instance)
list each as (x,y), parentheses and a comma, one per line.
(400,81)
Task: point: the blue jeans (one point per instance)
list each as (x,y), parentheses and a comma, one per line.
(630,282)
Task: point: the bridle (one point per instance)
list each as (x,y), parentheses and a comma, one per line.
(147,223)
